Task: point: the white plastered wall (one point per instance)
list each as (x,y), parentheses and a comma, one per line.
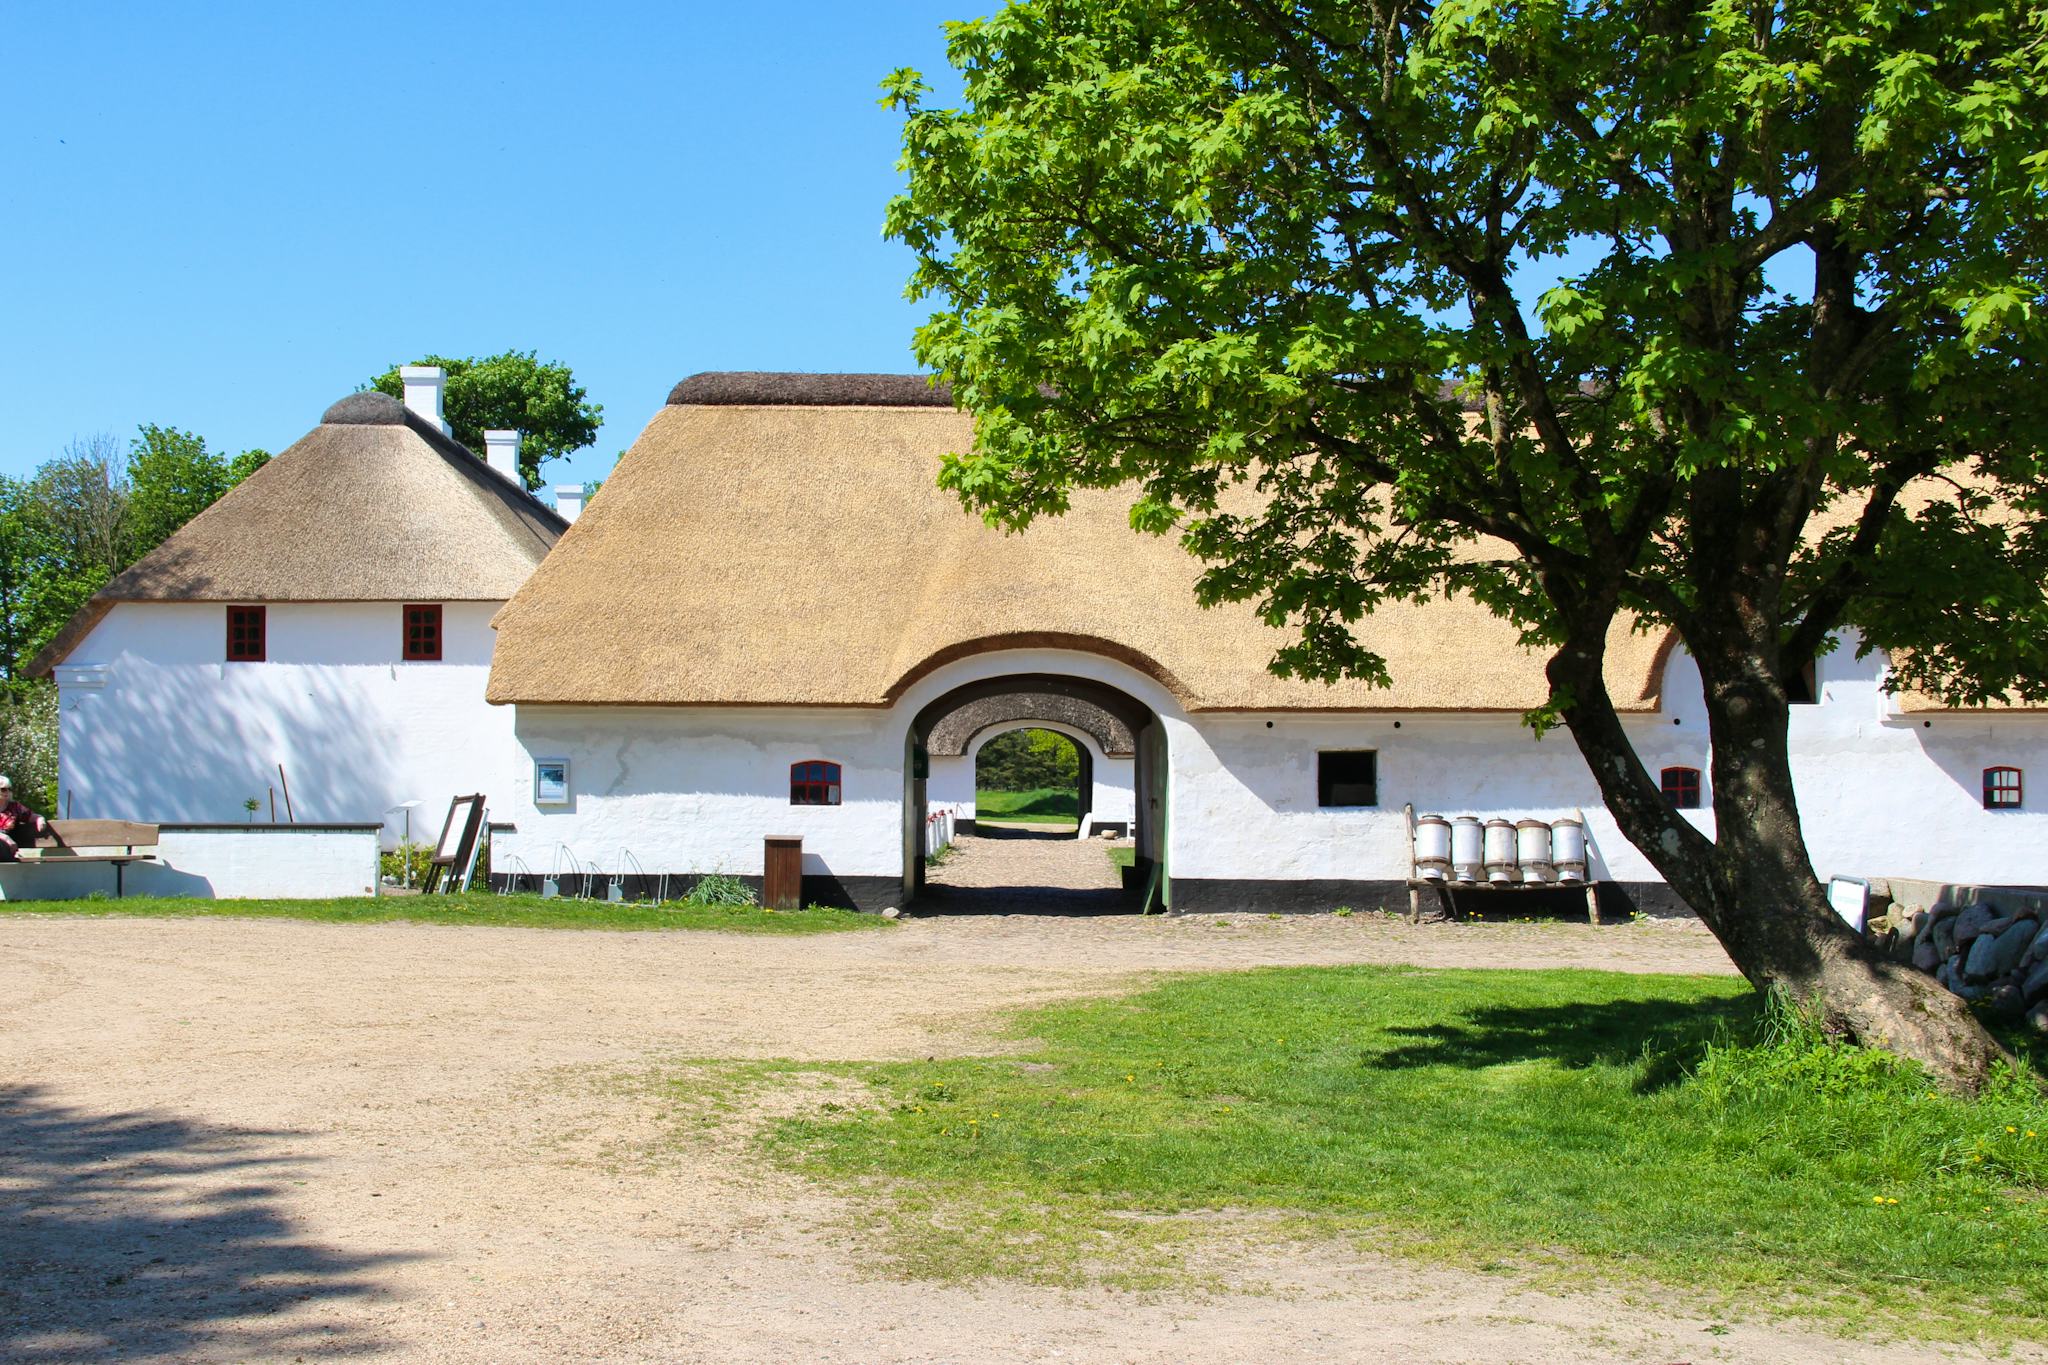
(696,789)
(156,726)
(210,862)
(1113,800)
(1881,795)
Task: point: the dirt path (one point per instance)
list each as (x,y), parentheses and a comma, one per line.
(1019,870)
(268,1141)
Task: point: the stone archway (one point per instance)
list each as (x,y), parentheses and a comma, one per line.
(1125,736)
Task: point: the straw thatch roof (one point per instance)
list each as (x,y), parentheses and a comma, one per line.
(781,550)
(374,504)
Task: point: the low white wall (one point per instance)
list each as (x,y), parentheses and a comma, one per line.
(156,726)
(1114,800)
(220,862)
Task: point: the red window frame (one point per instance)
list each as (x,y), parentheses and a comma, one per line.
(1681,787)
(422,630)
(814,782)
(248,639)
(2004,788)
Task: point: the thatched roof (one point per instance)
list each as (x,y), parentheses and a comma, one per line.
(374,504)
(792,552)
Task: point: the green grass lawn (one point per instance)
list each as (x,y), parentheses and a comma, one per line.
(1564,1125)
(1046,806)
(474,908)
(1125,856)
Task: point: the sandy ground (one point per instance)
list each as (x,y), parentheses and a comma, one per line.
(264,1140)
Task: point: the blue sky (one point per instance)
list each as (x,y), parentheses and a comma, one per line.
(224,217)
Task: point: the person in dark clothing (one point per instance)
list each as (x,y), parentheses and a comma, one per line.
(19,825)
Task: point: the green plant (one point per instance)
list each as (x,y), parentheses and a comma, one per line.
(1342,912)
(721,888)
(249,804)
(407,864)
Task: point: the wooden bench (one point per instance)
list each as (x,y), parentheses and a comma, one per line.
(119,842)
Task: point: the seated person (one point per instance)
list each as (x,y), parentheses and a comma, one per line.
(19,825)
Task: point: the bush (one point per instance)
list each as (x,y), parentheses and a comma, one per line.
(28,743)
(408,858)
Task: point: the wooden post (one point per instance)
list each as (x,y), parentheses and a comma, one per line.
(1592,902)
(782,872)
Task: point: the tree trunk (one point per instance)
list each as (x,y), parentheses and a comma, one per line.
(1753,884)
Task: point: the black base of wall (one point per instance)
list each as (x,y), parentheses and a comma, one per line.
(1218,895)
(871,894)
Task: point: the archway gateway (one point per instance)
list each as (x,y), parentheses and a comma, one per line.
(1123,793)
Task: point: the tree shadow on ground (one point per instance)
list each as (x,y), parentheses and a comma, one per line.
(1670,1035)
(1051,901)
(142,1234)
(1042,833)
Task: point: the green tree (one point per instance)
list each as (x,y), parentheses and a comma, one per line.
(172,478)
(1259,260)
(1027,760)
(541,400)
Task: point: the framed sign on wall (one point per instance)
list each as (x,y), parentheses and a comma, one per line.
(551,782)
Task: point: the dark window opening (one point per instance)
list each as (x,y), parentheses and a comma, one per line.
(1347,778)
(1681,787)
(246,635)
(2002,789)
(814,783)
(1803,687)
(423,631)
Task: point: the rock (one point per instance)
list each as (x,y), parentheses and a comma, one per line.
(2004,1000)
(1968,992)
(891,913)
(1944,936)
(1925,955)
(2038,1017)
(1975,920)
(2039,951)
(1996,954)
(1945,973)
(2036,984)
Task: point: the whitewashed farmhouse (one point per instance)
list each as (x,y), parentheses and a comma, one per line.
(773,623)
(330,616)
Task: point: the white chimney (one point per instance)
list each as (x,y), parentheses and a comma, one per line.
(423,385)
(501,452)
(569,500)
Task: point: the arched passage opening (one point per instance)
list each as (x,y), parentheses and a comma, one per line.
(1110,861)
(1034,779)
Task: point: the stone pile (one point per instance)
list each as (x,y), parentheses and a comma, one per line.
(1985,952)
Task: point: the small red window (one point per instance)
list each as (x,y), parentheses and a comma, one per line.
(2002,789)
(246,635)
(423,631)
(1682,787)
(815,783)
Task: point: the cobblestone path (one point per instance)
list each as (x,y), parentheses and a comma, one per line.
(1005,871)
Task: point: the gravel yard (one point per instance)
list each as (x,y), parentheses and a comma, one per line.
(242,1140)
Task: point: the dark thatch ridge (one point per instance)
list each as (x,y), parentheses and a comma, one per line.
(366,409)
(772,388)
(763,388)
